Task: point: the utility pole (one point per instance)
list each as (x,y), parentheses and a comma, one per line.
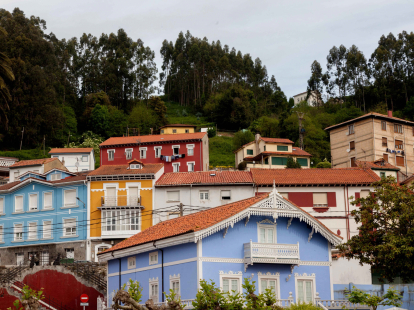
(67,145)
(21,141)
(181,209)
(44,145)
(301,130)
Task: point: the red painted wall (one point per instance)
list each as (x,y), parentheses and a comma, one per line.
(120,157)
(63,287)
(7,300)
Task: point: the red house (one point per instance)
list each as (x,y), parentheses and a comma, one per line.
(179,153)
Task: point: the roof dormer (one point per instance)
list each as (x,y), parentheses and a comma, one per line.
(135,164)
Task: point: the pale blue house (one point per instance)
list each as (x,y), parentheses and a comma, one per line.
(266,238)
(43,214)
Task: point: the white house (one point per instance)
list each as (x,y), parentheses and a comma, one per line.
(37,166)
(198,191)
(75,159)
(312,100)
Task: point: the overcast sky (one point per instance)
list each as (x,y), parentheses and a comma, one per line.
(287,35)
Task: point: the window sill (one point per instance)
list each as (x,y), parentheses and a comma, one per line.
(28,240)
(46,239)
(2,242)
(67,237)
(2,214)
(172,201)
(18,212)
(32,211)
(17,241)
(71,207)
(43,210)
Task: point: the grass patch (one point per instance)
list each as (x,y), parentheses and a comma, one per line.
(26,154)
(177,114)
(221,151)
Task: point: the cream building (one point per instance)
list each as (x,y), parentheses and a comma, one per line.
(312,100)
(371,137)
(270,153)
(177,128)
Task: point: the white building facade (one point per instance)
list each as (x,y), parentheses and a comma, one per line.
(75,159)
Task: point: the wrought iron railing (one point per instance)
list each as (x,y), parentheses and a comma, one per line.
(121,201)
(254,250)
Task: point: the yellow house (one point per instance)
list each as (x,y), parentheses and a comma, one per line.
(121,199)
(177,128)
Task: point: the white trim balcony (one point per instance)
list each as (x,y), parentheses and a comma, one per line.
(117,201)
(274,253)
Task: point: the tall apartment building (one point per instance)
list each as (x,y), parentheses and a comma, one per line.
(371,137)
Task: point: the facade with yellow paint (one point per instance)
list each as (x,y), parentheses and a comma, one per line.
(177,128)
(121,199)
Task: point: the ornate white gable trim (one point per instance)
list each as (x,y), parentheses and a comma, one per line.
(231,273)
(276,274)
(275,206)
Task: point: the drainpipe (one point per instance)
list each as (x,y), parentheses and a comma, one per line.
(162,272)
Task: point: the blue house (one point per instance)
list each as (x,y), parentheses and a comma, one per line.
(43,214)
(266,238)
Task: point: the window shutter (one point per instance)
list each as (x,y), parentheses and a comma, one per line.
(400,161)
(47,229)
(173,196)
(47,203)
(302,161)
(384,142)
(320,199)
(70,197)
(18,203)
(385,156)
(357,196)
(302,199)
(352,145)
(331,199)
(282,148)
(1,205)
(33,202)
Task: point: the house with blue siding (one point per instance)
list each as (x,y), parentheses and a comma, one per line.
(43,214)
(265,238)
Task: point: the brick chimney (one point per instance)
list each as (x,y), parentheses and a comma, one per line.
(389,113)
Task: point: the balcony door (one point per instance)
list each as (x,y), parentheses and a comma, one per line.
(111,198)
(133,196)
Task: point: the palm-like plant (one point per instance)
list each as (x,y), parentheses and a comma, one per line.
(5,72)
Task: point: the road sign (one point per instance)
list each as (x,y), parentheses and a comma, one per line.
(84,298)
(84,304)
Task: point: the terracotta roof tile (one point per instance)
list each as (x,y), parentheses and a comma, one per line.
(332,176)
(178,125)
(295,152)
(372,114)
(153,139)
(205,178)
(71,150)
(377,164)
(276,140)
(188,223)
(33,162)
(8,185)
(124,170)
(407,180)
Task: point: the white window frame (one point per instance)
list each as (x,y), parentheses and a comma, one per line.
(64,198)
(188,166)
(176,146)
(232,276)
(44,207)
(128,150)
(22,210)
(174,200)
(44,231)
(175,278)
(153,281)
(144,154)
(305,277)
(202,196)
(56,176)
(109,157)
(351,129)
(15,233)
(132,262)
(176,167)
(269,276)
(159,148)
(65,226)
(221,194)
(135,166)
(153,254)
(85,156)
(2,202)
(37,202)
(267,224)
(31,232)
(190,147)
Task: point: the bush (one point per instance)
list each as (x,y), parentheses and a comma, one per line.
(211,132)
(303,306)
(324,164)
(242,165)
(292,163)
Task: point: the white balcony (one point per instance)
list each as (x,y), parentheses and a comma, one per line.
(275,253)
(120,201)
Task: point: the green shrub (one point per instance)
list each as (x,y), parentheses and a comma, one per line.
(242,165)
(324,164)
(241,138)
(211,132)
(303,306)
(292,163)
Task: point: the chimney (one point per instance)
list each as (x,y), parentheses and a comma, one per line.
(257,137)
(151,131)
(389,113)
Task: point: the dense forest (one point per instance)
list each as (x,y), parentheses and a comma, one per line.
(58,89)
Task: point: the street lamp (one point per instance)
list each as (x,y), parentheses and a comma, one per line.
(81,201)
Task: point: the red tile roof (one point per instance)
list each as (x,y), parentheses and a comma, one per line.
(194,222)
(205,178)
(153,139)
(327,176)
(71,150)
(33,162)
(188,223)
(377,164)
(124,170)
(276,140)
(178,125)
(295,152)
(368,115)
(407,180)
(8,185)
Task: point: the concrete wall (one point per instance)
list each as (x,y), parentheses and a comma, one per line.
(71,159)
(346,271)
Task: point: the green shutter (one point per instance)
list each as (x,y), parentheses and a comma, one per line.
(280,161)
(302,161)
(249,152)
(282,148)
